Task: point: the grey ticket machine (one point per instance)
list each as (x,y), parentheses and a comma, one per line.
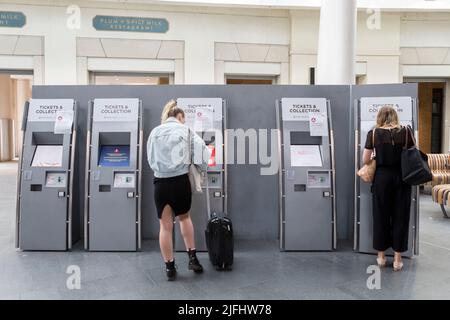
(207,117)
(366,110)
(46,218)
(113,175)
(306,175)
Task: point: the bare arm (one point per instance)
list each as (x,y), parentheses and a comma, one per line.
(366,156)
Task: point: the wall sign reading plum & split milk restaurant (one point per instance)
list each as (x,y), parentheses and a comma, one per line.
(12,19)
(130,24)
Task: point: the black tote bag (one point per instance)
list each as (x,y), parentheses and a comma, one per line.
(415,169)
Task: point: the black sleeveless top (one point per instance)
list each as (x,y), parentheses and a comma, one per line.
(388,145)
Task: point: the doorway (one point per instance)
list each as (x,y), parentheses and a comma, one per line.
(111,78)
(431,116)
(250,80)
(15,90)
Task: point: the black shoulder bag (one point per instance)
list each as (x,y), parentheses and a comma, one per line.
(415,169)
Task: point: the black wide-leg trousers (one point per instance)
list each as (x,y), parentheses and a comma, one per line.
(391,210)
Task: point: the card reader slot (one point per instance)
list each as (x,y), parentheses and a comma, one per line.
(104,188)
(36,187)
(299,187)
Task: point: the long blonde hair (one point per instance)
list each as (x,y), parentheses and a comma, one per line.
(170,110)
(387,116)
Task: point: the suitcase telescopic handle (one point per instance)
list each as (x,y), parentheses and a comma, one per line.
(208,201)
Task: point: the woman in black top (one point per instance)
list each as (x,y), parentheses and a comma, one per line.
(391,196)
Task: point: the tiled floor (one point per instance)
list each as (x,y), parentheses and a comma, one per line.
(260,271)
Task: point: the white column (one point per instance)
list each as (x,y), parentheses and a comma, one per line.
(82,71)
(179,72)
(337,33)
(219,72)
(38,70)
(60,49)
(199,61)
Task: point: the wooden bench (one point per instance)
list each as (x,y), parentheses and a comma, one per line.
(440,168)
(441,195)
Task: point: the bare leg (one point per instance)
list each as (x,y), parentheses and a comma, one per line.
(165,234)
(398,263)
(187,231)
(381,259)
(397,257)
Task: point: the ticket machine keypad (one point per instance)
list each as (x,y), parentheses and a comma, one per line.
(318,179)
(214,180)
(124,180)
(55,180)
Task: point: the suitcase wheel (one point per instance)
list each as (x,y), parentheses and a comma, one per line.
(224,267)
(227,267)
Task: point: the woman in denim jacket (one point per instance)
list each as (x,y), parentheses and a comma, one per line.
(169,150)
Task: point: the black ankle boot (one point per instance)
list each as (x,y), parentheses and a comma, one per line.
(171,271)
(194,264)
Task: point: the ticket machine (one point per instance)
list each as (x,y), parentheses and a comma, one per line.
(46,219)
(113,175)
(366,110)
(207,117)
(306,175)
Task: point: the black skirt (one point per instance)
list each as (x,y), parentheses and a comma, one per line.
(175,192)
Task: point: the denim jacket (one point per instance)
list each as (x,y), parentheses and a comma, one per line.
(169,152)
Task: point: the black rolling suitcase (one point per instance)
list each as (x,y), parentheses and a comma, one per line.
(219,238)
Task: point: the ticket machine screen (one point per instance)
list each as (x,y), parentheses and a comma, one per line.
(306,156)
(114,156)
(47,156)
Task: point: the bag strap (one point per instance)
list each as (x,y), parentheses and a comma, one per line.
(408,130)
(373,138)
(406,137)
(191,158)
(373,141)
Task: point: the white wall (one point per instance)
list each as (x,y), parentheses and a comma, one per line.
(425,30)
(199,28)
(378,49)
(304,37)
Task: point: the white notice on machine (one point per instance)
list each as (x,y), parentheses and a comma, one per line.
(63,121)
(204,118)
(318,125)
(305,156)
